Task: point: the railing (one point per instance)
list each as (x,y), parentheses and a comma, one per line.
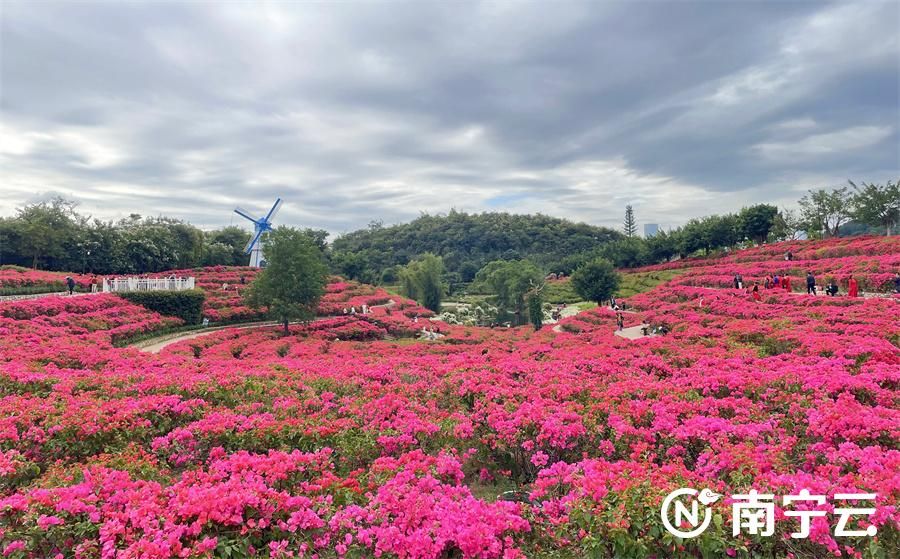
(147,284)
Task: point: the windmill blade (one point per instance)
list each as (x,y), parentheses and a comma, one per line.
(273,211)
(253,241)
(244,213)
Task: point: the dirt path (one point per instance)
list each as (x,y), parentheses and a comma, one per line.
(155,345)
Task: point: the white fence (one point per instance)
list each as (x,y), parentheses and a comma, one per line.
(147,284)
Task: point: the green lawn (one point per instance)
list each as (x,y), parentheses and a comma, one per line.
(634,283)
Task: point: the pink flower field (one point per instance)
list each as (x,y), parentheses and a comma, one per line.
(351,438)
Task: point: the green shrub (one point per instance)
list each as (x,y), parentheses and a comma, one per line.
(186,305)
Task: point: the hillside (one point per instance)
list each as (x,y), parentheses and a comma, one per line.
(465,241)
(354,436)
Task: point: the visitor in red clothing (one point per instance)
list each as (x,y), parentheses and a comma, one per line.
(852,287)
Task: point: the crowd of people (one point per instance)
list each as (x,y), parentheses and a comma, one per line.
(784,282)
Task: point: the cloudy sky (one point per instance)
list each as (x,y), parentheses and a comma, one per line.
(361,111)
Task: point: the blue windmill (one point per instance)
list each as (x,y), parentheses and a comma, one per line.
(260,226)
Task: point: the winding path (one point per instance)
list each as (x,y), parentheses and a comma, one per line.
(155,345)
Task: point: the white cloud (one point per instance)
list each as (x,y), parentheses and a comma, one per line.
(824,145)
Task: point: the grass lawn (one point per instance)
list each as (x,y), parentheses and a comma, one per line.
(634,283)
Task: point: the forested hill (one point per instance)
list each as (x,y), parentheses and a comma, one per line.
(465,241)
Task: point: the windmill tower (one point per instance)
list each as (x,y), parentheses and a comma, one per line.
(260,226)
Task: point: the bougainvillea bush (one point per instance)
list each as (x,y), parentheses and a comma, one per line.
(353,438)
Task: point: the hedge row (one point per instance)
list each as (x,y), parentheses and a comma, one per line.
(186,305)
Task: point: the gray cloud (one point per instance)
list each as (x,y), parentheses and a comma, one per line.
(356,112)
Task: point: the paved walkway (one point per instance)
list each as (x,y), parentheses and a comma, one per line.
(633,332)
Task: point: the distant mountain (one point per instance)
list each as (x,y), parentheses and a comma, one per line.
(465,241)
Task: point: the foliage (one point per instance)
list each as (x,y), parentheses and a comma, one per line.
(535,309)
(756,222)
(422,281)
(186,305)
(877,205)
(630,226)
(293,281)
(824,211)
(787,226)
(466,242)
(54,236)
(509,281)
(596,280)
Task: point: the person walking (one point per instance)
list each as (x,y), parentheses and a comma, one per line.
(786,283)
(620,321)
(768,283)
(70,284)
(776,282)
(810,283)
(756,296)
(852,287)
(897,282)
(740,281)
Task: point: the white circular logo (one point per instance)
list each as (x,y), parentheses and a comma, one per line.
(692,516)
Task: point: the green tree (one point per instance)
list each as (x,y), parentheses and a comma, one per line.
(596,281)
(756,222)
(422,281)
(824,211)
(878,205)
(720,231)
(691,237)
(630,227)
(510,281)
(47,229)
(292,283)
(226,247)
(661,247)
(625,253)
(787,226)
(536,309)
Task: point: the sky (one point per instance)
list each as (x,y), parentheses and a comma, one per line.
(355,112)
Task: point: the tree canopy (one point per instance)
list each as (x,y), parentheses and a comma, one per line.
(509,281)
(877,205)
(824,211)
(596,280)
(294,279)
(422,281)
(466,242)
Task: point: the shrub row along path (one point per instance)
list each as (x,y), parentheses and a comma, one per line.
(155,345)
